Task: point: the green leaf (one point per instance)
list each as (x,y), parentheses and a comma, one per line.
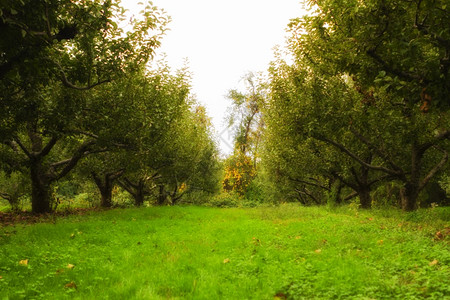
(24,33)
(13,11)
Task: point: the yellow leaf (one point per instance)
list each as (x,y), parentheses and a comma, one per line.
(23,262)
(318,250)
(434,262)
(380,242)
(226,260)
(1,277)
(298,237)
(70,266)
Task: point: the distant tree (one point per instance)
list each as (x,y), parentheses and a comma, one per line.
(246,117)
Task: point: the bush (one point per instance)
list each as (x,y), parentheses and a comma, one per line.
(225,199)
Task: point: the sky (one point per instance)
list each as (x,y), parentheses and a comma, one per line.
(222,42)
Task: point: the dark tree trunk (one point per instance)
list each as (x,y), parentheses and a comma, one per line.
(139,195)
(408,196)
(364,197)
(40,190)
(105,186)
(162,195)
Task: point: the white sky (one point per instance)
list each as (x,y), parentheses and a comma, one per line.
(222,41)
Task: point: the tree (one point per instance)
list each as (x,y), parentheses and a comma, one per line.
(395,56)
(246,116)
(53,54)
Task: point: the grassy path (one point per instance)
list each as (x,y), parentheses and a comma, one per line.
(287,252)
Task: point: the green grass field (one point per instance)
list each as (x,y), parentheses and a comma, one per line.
(285,252)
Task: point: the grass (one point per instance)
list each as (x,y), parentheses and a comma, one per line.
(285,252)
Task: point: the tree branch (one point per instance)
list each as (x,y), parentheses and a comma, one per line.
(72,162)
(422,28)
(404,75)
(439,137)
(375,149)
(115,175)
(347,183)
(68,84)
(436,168)
(308,183)
(305,192)
(355,157)
(48,147)
(22,146)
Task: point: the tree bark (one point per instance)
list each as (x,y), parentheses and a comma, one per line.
(105,186)
(139,194)
(364,197)
(162,195)
(40,189)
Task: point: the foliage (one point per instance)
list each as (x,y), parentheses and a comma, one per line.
(13,188)
(239,173)
(355,107)
(298,252)
(246,117)
(53,56)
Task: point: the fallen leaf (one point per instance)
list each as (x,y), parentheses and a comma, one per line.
(280,296)
(370,219)
(324,241)
(226,260)
(1,277)
(434,262)
(439,236)
(380,242)
(70,285)
(72,235)
(23,262)
(298,237)
(318,250)
(70,266)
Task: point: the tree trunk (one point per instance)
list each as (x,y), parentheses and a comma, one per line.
(105,187)
(40,190)
(364,197)
(411,190)
(139,194)
(162,195)
(408,196)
